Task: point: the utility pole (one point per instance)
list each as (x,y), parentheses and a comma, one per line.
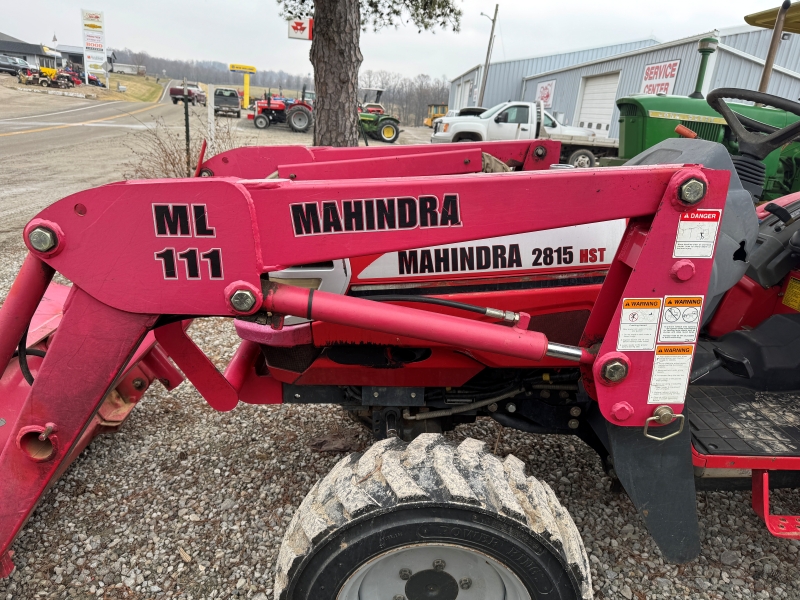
(186,119)
(488,55)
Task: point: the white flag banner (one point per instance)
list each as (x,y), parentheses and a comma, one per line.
(94,41)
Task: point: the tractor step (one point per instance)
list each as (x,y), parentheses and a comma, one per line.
(783,526)
(733,421)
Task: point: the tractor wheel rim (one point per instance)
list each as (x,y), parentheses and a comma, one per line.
(300,120)
(388,131)
(415,573)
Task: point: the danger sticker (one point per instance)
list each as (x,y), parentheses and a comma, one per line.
(670,378)
(638,324)
(697,234)
(680,321)
(791,296)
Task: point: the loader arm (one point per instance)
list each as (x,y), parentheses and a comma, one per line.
(142,255)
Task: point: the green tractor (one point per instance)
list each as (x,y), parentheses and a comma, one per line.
(646,120)
(375,123)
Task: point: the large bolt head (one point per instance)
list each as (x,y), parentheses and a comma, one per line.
(405,574)
(692,191)
(439,565)
(42,239)
(243,300)
(465,583)
(615,371)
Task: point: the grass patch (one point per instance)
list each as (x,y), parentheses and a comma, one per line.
(139,89)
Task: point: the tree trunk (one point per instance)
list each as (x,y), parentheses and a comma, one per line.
(336,57)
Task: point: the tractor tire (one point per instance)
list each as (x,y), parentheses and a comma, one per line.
(388,132)
(261,122)
(582,159)
(429,519)
(299,119)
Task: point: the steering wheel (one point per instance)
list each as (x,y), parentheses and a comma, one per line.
(755,145)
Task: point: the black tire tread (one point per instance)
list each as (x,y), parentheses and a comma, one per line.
(430,468)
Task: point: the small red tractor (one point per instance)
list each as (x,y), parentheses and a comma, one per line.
(652,310)
(297,114)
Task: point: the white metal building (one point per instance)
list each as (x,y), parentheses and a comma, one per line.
(585,93)
(505,77)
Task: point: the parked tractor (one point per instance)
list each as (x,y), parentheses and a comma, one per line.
(374,121)
(297,114)
(651,310)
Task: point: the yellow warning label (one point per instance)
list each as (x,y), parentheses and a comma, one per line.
(630,303)
(792,296)
(674,350)
(683,301)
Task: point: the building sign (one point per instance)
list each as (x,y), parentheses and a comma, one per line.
(545,91)
(94,42)
(660,77)
(234,68)
(301,29)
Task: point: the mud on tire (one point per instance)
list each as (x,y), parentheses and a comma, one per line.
(398,505)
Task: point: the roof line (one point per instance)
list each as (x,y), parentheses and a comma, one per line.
(758,61)
(470,70)
(645,50)
(584,49)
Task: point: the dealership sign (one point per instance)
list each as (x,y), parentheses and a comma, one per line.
(660,78)
(301,29)
(94,42)
(545,91)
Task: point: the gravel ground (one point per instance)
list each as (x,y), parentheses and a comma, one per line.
(188,503)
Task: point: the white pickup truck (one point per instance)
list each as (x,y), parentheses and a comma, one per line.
(521,120)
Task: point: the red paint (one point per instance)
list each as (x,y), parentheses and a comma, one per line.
(782,526)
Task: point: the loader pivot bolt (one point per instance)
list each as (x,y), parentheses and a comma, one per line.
(439,565)
(405,574)
(692,191)
(615,371)
(465,583)
(243,300)
(42,239)
(622,411)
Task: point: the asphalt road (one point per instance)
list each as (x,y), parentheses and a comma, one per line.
(52,146)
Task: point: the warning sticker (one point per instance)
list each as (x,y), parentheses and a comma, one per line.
(671,368)
(697,234)
(680,321)
(638,325)
(791,296)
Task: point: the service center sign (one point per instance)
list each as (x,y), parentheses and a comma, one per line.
(301,29)
(545,91)
(94,41)
(660,77)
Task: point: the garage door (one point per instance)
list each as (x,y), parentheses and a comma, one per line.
(597,104)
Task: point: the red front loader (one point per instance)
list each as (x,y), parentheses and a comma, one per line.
(640,308)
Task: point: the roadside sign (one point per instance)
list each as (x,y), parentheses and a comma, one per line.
(234,68)
(301,29)
(659,78)
(94,42)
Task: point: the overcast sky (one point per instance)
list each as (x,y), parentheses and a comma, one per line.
(252,32)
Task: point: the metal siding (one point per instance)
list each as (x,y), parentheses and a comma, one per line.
(505,78)
(738,72)
(631,69)
(454,85)
(757,44)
